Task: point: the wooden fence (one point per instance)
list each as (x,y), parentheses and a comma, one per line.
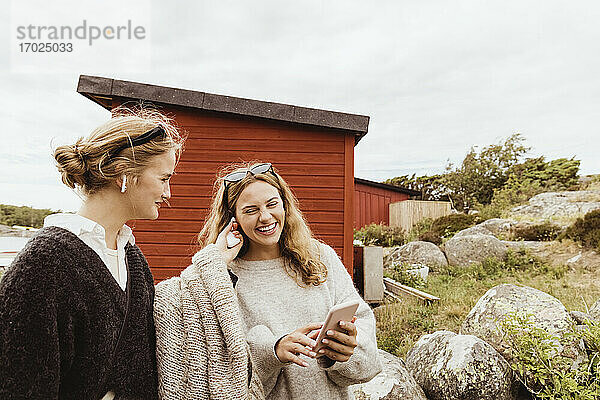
(406,214)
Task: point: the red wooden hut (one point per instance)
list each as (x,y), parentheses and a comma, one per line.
(372,201)
(313,149)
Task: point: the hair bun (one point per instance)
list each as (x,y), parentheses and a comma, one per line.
(71,163)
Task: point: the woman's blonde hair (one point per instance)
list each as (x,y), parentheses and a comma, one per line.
(91,163)
(298,248)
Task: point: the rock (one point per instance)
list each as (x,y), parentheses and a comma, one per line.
(546,312)
(474,230)
(498,226)
(559,204)
(595,311)
(418,252)
(465,250)
(394,382)
(450,366)
(580,317)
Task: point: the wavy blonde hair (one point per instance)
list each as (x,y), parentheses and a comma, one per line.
(87,165)
(297,245)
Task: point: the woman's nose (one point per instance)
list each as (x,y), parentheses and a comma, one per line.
(167,192)
(264,215)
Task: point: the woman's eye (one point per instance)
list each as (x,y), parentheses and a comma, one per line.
(250,211)
(273,204)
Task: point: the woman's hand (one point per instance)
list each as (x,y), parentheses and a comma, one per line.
(340,345)
(300,341)
(229,253)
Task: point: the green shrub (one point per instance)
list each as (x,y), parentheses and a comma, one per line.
(448,225)
(544,371)
(516,261)
(380,235)
(443,227)
(489,211)
(432,237)
(544,232)
(399,274)
(23,215)
(418,229)
(586,230)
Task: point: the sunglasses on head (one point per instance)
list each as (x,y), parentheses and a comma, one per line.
(239,175)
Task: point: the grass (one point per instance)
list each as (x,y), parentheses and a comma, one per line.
(399,325)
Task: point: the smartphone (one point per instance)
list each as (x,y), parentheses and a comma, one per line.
(340,312)
(232,241)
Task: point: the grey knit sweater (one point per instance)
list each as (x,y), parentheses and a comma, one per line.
(273,305)
(201,349)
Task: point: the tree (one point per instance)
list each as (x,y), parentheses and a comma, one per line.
(24,216)
(430,187)
(481,173)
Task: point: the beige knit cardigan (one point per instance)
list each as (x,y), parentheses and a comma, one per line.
(200,343)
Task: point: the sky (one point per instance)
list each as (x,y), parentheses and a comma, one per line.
(436,77)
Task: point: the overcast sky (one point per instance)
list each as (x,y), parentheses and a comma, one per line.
(436,77)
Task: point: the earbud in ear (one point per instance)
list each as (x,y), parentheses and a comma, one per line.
(124,184)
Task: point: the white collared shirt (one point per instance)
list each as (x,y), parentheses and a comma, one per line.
(92,234)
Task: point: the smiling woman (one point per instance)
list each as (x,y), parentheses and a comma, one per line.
(286,283)
(76,316)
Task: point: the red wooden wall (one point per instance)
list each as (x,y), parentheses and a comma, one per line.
(371,204)
(316,162)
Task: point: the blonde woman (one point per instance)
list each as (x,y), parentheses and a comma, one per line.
(286,283)
(76,304)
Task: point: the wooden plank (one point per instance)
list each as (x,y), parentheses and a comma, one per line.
(162,225)
(254,145)
(300,192)
(213,167)
(179,250)
(188,214)
(305,204)
(187,118)
(209,131)
(161,237)
(277,158)
(348,196)
(404,290)
(297,180)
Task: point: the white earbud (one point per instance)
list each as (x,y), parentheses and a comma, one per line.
(124,184)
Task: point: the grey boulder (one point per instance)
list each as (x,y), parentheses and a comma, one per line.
(474,230)
(546,312)
(498,226)
(449,367)
(394,382)
(469,249)
(418,252)
(558,204)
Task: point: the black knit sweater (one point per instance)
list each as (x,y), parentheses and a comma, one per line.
(61,312)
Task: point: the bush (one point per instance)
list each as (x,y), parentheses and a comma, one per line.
(442,227)
(516,261)
(540,366)
(448,225)
(418,229)
(586,230)
(432,237)
(399,274)
(23,215)
(544,232)
(380,235)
